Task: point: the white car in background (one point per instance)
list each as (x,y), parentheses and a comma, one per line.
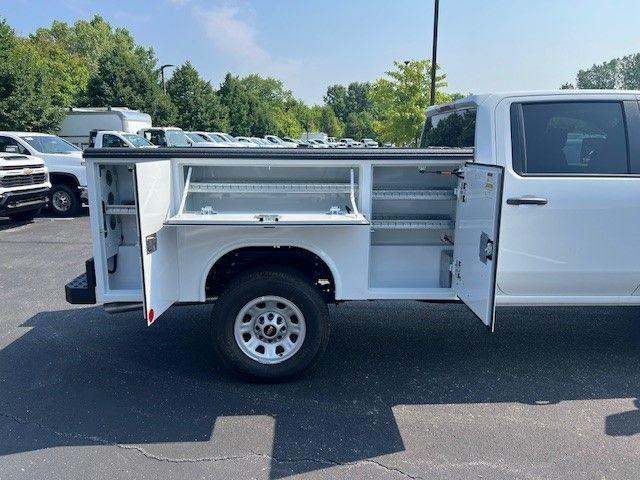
(265,143)
(369,143)
(225,137)
(64,161)
(209,137)
(276,140)
(291,140)
(247,142)
(320,143)
(349,143)
(198,141)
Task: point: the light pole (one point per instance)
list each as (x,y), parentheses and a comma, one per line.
(434,52)
(164,83)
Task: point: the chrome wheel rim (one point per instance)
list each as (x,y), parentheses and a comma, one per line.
(269,329)
(61,201)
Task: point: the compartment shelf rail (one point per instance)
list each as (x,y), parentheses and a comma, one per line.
(413,194)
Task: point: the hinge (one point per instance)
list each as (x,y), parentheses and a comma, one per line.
(456,268)
(460,191)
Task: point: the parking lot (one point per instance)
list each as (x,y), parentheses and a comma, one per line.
(406,390)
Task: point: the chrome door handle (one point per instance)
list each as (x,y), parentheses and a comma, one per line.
(527,200)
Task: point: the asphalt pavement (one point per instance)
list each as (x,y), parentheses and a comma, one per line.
(405,390)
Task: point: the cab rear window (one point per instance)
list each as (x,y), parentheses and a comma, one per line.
(456,128)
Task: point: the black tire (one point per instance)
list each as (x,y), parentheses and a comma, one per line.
(25,216)
(71,200)
(289,285)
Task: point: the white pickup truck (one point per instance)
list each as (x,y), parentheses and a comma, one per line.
(64,162)
(117,139)
(515,199)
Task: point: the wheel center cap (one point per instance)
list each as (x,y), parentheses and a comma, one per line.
(269,331)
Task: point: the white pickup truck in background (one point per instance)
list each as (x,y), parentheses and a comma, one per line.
(24,185)
(517,199)
(64,162)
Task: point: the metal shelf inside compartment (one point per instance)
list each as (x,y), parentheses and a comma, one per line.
(412,222)
(120,209)
(266,187)
(413,194)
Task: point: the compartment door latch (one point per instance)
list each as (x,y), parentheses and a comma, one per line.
(151,242)
(486,248)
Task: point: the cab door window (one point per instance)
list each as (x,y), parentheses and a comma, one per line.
(569,138)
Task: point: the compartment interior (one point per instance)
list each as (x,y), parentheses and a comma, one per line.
(120,227)
(263,194)
(412,226)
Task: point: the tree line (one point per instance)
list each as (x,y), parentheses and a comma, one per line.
(618,73)
(91,64)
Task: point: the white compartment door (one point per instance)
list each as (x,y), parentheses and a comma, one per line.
(158,244)
(475,253)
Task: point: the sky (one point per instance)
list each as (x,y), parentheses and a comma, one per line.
(484,45)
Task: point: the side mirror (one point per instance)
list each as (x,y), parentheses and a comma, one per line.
(11,149)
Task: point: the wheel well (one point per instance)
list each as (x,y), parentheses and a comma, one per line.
(63,178)
(238,261)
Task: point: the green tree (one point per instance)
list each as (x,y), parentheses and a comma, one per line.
(618,73)
(234,97)
(92,39)
(26,98)
(197,104)
(68,74)
(329,123)
(122,80)
(336,98)
(400,101)
(359,125)
(605,75)
(358,99)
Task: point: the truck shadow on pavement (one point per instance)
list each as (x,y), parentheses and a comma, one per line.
(82,377)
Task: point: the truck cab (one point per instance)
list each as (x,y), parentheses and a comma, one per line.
(572,184)
(117,139)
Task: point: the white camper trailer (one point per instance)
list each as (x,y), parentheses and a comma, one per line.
(79,122)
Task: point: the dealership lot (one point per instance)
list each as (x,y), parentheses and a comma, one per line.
(406,390)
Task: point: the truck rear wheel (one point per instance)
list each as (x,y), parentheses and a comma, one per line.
(270,325)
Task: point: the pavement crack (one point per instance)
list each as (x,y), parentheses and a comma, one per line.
(161,458)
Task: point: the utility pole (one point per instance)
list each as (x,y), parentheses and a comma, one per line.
(434,52)
(164,83)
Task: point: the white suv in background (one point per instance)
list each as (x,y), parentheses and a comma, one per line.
(63,160)
(24,185)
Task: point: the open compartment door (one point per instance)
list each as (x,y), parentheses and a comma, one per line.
(475,252)
(158,243)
